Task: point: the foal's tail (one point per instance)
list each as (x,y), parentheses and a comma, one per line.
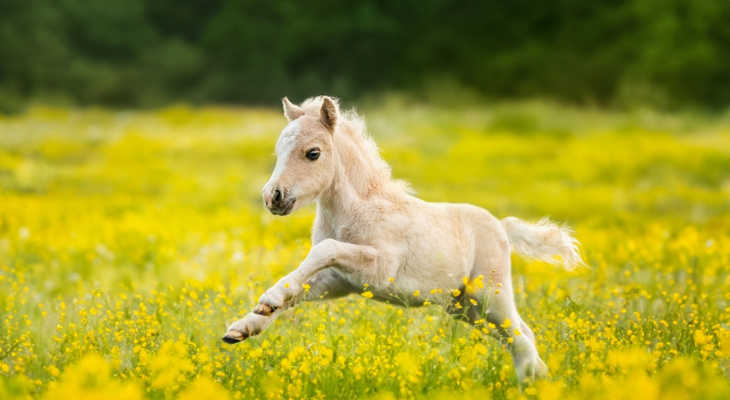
(544,241)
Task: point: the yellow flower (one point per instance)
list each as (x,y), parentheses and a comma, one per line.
(506,324)
(456,292)
(701,338)
(473,286)
(367,295)
(91,378)
(204,388)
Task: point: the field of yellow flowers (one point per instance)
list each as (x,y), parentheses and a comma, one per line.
(130,240)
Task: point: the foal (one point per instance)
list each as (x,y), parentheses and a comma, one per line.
(369,230)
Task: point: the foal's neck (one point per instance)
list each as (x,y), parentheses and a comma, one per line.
(357,178)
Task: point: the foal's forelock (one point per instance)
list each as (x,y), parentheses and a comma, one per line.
(286,143)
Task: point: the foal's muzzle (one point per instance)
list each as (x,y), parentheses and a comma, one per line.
(279,202)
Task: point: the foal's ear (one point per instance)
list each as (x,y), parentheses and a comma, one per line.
(329,113)
(291,112)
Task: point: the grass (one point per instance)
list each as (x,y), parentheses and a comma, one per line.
(130,240)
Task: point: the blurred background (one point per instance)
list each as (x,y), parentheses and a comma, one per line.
(134,53)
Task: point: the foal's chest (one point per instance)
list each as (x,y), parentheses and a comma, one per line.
(348,233)
(348,230)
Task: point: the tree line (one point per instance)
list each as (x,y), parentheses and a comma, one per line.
(145,53)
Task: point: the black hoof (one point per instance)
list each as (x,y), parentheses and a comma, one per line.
(233,337)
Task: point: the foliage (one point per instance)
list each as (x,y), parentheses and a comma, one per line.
(146,53)
(129,240)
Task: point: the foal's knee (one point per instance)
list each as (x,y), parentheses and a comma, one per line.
(325,252)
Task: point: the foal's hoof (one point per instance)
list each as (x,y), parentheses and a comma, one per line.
(264,309)
(233,336)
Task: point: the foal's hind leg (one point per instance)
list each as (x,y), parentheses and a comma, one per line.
(526,330)
(502,312)
(497,311)
(496,304)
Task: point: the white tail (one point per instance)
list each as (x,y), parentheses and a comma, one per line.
(544,241)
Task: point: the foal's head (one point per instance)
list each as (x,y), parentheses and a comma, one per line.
(305,159)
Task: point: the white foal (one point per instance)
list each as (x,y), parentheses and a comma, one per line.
(369,230)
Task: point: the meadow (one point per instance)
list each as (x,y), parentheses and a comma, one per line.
(129,240)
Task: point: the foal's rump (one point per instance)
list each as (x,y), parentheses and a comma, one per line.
(490,241)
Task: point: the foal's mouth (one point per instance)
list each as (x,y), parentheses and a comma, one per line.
(286,210)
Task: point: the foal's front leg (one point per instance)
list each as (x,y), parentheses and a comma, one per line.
(357,260)
(326,284)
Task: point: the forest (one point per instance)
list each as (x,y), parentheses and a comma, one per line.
(665,54)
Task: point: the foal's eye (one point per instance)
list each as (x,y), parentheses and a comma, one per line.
(313,154)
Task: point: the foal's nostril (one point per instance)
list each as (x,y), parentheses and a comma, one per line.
(277,195)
